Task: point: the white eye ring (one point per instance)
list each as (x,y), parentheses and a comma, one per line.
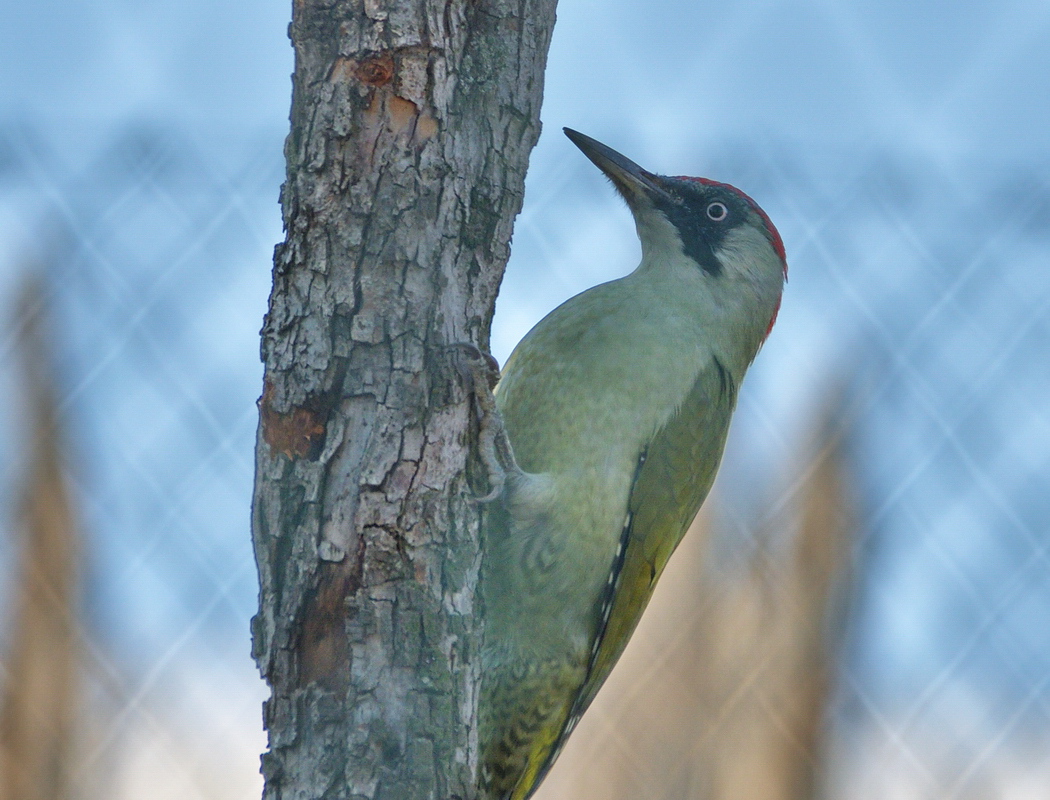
(717,211)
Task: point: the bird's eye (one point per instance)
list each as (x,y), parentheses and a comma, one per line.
(717,212)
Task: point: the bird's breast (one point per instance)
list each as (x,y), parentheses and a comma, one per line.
(581,399)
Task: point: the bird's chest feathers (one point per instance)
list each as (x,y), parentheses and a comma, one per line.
(585,396)
(595,380)
(647,360)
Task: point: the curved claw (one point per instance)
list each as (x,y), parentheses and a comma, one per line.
(485,499)
(481,371)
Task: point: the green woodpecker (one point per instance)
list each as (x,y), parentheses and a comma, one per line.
(616,407)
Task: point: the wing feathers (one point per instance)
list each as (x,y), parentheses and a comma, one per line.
(672,478)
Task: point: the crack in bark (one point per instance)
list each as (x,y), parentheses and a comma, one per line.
(398,218)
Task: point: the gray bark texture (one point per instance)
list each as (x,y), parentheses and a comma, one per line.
(411,126)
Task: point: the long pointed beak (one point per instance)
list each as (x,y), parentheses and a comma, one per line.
(633,182)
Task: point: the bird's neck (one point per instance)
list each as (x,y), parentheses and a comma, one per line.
(730,318)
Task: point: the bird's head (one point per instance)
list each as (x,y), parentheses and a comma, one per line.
(715,225)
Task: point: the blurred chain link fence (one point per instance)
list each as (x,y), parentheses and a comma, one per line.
(860,613)
(153,264)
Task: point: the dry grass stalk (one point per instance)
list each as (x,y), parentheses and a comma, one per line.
(39,688)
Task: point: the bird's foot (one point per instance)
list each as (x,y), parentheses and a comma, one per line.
(480,371)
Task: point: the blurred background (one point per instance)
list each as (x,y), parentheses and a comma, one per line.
(862,608)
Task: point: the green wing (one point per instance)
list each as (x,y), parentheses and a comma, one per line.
(673,477)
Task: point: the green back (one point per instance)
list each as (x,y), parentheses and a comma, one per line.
(673,478)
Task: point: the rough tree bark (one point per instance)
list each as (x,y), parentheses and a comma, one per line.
(412,123)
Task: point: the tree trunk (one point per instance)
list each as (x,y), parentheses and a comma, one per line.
(412,123)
